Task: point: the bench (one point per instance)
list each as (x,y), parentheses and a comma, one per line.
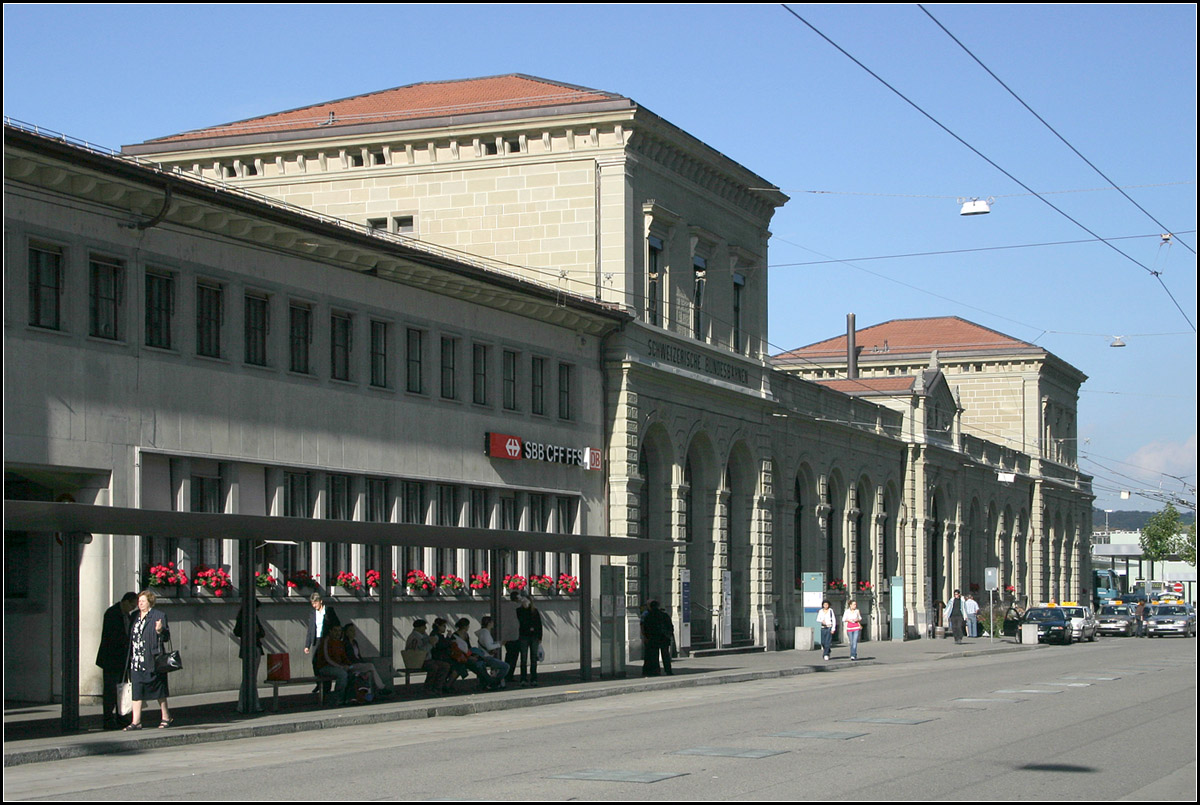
(414,662)
(276,684)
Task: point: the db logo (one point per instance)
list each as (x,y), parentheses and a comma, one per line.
(513,447)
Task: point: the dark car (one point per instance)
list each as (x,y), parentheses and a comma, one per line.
(1054,625)
(1117,619)
(1167,619)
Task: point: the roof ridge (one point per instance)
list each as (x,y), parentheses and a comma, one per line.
(836,342)
(272,119)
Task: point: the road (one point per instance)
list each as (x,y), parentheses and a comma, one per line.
(1104,721)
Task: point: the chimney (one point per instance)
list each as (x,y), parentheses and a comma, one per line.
(851,349)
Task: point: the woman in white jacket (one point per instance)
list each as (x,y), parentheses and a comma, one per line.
(828,623)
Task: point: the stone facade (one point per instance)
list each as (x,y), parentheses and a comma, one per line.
(585,231)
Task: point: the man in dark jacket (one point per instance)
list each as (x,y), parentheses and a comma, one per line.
(114,653)
(321,619)
(656,640)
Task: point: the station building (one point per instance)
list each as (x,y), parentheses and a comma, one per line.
(581,272)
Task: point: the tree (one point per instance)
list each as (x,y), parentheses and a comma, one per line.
(1160,535)
(1185,545)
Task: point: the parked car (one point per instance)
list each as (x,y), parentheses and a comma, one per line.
(1117,619)
(1012,621)
(1083,622)
(1052,622)
(1166,619)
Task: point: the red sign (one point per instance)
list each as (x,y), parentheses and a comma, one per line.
(1178,587)
(501,445)
(514,448)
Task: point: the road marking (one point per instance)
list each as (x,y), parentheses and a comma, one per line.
(728,751)
(618,776)
(827,735)
(878,720)
(1027,690)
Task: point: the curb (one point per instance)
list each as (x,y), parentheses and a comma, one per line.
(465,708)
(472,706)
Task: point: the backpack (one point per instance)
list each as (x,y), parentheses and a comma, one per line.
(364,689)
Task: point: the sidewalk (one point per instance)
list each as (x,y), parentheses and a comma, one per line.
(32,735)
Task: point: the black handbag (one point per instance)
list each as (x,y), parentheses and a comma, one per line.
(167,661)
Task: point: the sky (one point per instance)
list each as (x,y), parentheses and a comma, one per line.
(872,177)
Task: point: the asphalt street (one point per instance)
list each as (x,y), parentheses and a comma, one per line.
(1106,721)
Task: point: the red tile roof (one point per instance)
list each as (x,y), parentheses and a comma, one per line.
(415,101)
(947,334)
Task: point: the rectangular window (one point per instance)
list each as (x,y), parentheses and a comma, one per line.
(339,346)
(447,515)
(564,391)
(654,283)
(378,504)
(290,558)
(160,305)
(300,336)
(508,522)
(412,510)
(700,272)
(337,507)
(45,286)
(337,494)
(413,356)
(479,361)
(510,380)
(206,497)
(537,386)
(449,351)
(478,519)
(257,312)
(295,495)
(378,511)
(564,523)
(739,282)
(405,224)
(105,292)
(208,320)
(538,512)
(379,353)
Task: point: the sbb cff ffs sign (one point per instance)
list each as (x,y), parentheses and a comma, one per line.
(514,448)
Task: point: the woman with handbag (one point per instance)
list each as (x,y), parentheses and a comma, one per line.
(852,617)
(148,633)
(828,623)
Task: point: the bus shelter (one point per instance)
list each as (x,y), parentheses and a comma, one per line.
(73,524)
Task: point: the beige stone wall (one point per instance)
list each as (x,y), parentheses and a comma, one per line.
(561,205)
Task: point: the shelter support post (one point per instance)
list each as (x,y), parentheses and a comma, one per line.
(386,648)
(585,617)
(248,693)
(69,585)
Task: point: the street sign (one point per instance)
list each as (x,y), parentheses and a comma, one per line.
(1178,587)
(991,578)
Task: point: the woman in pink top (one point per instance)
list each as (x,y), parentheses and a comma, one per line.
(853,620)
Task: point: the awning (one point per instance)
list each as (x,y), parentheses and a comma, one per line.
(24,515)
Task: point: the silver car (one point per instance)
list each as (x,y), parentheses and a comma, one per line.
(1166,619)
(1117,619)
(1083,623)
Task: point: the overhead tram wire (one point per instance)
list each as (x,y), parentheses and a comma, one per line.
(985,158)
(967,251)
(1048,126)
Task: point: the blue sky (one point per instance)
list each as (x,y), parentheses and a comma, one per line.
(869,175)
